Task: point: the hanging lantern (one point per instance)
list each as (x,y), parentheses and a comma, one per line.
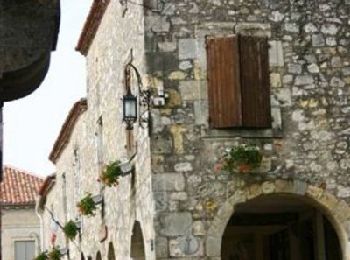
(129,110)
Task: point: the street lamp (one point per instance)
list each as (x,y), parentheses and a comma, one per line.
(129,110)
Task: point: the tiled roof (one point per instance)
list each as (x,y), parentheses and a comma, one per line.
(67,128)
(91,25)
(19,187)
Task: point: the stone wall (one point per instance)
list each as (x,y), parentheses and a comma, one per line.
(310,80)
(99,137)
(180,201)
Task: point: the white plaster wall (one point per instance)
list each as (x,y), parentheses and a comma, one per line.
(19,224)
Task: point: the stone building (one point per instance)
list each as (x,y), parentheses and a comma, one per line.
(20,223)
(271,74)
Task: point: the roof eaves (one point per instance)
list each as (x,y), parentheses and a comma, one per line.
(67,129)
(91,25)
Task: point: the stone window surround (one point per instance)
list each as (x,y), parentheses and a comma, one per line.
(28,238)
(197,50)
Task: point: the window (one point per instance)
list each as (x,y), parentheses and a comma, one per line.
(24,250)
(238,82)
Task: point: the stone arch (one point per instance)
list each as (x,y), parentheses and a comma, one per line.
(111,252)
(337,211)
(137,248)
(98,256)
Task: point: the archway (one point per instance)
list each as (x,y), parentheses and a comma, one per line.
(111,253)
(98,256)
(279,227)
(308,219)
(137,250)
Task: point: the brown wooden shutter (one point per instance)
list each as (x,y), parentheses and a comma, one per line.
(255,81)
(224,89)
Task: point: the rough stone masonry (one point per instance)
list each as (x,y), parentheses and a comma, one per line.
(181,203)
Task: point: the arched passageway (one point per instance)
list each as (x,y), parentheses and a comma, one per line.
(111,253)
(137,251)
(327,225)
(279,227)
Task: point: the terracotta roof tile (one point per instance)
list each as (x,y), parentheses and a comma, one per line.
(19,187)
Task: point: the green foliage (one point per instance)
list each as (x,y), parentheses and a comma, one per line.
(54,254)
(87,205)
(111,174)
(41,256)
(70,229)
(242,158)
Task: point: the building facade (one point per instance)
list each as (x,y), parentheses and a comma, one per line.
(274,75)
(20,230)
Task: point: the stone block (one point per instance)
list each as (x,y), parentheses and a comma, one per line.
(162,144)
(299,187)
(177,131)
(318,40)
(177,75)
(161,246)
(176,224)
(186,246)
(199,228)
(168,182)
(268,187)
(213,246)
(283,186)
(314,192)
(183,167)
(276,118)
(157,24)
(201,112)
(304,80)
(178,196)
(254,191)
(329,201)
(190,90)
(276,54)
(167,46)
(188,49)
(254,29)
(283,97)
(174,99)
(275,80)
(161,61)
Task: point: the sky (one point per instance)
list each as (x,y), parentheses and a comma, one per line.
(32,124)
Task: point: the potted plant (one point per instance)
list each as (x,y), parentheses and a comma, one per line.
(87,205)
(70,229)
(54,254)
(111,173)
(42,256)
(242,158)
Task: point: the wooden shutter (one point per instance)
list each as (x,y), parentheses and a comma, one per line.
(255,82)
(224,90)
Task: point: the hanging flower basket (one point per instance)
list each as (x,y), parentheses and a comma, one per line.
(54,254)
(70,229)
(42,256)
(242,158)
(87,205)
(111,174)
